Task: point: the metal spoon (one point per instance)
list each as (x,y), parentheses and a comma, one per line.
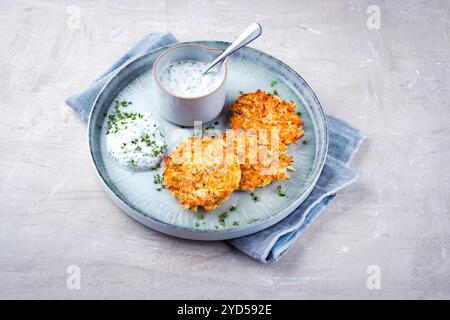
(252,32)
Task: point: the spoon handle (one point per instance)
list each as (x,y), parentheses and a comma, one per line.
(252,32)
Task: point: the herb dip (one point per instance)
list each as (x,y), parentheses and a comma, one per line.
(134,140)
(185,78)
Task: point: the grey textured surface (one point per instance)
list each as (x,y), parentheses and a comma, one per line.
(392,82)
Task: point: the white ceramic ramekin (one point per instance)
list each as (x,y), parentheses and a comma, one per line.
(185,110)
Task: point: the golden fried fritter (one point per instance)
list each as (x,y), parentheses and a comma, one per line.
(262,162)
(267,116)
(200,173)
(260,110)
(204,171)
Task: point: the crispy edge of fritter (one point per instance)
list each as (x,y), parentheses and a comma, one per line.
(253,111)
(231,178)
(262,166)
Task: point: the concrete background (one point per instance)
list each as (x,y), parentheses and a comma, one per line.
(392,82)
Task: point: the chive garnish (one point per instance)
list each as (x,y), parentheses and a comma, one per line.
(281,191)
(254,196)
(159,181)
(222,217)
(200,216)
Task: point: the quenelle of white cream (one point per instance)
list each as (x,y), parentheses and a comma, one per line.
(185,78)
(136,142)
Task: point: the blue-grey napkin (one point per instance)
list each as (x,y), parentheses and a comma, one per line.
(272,243)
(83,102)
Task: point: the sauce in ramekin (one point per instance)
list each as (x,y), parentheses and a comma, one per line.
(185,78)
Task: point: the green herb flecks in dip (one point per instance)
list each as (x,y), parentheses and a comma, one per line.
(134,140)
(185,78)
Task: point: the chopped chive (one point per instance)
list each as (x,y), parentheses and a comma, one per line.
(119,117)
(254,196)
(211,126)
(200,216)
(222,217)
(159,181)
(281,191)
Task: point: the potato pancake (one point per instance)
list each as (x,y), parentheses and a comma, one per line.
(261,162)
(204,171)
(260,110)
(200,173)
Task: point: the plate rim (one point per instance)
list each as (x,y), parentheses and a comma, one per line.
(191,233)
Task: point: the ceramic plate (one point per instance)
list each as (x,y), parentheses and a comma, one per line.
(135,192)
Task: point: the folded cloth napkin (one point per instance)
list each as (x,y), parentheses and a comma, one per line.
(272,243)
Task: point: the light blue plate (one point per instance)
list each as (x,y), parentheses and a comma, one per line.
(135,192)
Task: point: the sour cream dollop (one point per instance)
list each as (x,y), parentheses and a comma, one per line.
(135,140)
(185,78)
